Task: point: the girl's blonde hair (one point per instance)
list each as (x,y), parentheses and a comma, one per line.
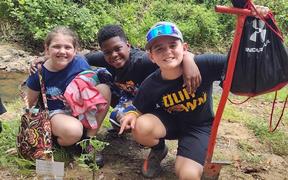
(62,30)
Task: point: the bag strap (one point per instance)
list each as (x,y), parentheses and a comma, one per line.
(238,103)
(41,81)
(272,111)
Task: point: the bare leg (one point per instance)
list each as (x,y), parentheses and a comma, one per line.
(148,130)
(105,91)
(187,169)
(68,129)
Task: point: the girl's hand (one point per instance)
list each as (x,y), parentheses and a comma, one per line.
(262,10)
(127,122)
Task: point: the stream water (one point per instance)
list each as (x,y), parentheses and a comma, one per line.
(9,82)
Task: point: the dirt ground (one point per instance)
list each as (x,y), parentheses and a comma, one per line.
(124,157)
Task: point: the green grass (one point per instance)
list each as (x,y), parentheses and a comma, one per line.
(106,123)
(17,166)
(282,93)
(247,152)
(11,161)
(256,118)
(277,141)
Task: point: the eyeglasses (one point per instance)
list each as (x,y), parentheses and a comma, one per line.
(161,30)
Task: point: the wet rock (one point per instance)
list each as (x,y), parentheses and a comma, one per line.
(14,59)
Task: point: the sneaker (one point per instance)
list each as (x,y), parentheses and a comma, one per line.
(151,166)
(98,159)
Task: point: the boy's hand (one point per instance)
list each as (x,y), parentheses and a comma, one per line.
(127,122)
(33,67)
(192,76)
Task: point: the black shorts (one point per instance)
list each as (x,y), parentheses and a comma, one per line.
(192,140)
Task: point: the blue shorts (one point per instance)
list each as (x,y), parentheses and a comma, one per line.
(192,140)
(59,111)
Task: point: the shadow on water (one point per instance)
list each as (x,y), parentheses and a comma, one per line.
(9,82)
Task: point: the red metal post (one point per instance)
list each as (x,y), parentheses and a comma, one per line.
(212,169)
(241,16)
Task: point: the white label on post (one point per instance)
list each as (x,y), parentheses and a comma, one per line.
(49,168)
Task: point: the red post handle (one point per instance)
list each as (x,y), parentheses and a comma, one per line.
(232,10)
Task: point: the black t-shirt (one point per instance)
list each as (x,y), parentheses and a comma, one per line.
(156,93)
(129,77)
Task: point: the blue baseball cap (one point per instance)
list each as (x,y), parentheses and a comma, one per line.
(162,29)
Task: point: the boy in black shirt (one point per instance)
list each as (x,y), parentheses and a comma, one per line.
(169,111)
(129,67)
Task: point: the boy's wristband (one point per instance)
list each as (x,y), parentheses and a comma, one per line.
(131,107)
(133,112)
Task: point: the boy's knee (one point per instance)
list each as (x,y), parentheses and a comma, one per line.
(143,126)
(189,174)
(187,169)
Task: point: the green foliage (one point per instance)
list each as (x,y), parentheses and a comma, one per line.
(36,18)
(198,24)
(280,10)
(7,144)
(132,21)
(39,17)
(197,19)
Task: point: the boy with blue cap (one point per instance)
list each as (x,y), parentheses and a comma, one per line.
(169,111)
(163,109)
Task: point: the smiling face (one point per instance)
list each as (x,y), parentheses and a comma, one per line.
(116,51)
(60,51)
(167,52)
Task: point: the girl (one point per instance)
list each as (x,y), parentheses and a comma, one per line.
(61,67)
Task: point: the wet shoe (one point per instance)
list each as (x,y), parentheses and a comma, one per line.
(99,160)
(151,166)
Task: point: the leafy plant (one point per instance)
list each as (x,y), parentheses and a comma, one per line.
(97,147)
